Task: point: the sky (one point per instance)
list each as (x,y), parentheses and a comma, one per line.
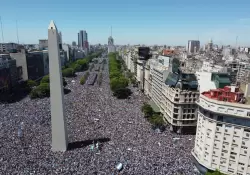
(161,22)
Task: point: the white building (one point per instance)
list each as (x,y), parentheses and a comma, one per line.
(158,74)
(209,66)
(223,132)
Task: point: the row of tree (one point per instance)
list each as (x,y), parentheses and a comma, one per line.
(80,65)
(154,118)
(43,89)
(118,82)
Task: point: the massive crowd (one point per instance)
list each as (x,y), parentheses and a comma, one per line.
(93,116)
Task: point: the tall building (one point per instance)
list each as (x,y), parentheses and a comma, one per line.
(223,132)
(82,38)
(179,94)
(193,46)
(74,43)
(60,40)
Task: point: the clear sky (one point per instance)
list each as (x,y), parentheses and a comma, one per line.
(134,21)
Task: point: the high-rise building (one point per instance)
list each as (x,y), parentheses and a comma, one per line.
(78,40)
(193,46)
(223,135)
(83,38)
(60,40)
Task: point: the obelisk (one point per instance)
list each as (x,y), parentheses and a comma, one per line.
(58,122)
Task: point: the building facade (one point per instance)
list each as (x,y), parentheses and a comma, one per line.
(8,73)
(8,47)
(193,46)
(43,44)
(180,92)
(223,132)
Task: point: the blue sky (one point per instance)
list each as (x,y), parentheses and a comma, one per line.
(134,21)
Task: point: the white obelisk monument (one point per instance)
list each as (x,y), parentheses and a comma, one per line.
(58,122)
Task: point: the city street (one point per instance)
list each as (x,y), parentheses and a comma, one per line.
(118,126)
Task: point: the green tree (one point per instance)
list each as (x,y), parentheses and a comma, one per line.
(216,172)
(43,90)
(82,80)
(77,67)
(147,110)
(118,83)
(122,93)
(45,79)
(31,83)
(69,72)
(156,120)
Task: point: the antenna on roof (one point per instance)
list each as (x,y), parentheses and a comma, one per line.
(1,28)
(17,32)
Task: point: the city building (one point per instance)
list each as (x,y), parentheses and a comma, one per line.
(31,65)
(210,66)
(43,44)
(67,49)
(60,40)
(158,74)
(8,73)
(83,40)
(243,72)
(8,47)
(179,94)
(193,46)
(73,43)
(223,136)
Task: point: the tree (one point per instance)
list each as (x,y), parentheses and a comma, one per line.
(82,80)
(77,67)
(122,93)
(118,83)
(216,172)
(31,84)
(156,120)
(46,79)
(43,90)
(147,110)
(69,72)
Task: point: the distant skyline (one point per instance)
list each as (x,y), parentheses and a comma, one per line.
(133,22)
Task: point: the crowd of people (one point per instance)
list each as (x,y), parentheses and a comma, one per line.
(93,116)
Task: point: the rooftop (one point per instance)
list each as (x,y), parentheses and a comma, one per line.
(229,94)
